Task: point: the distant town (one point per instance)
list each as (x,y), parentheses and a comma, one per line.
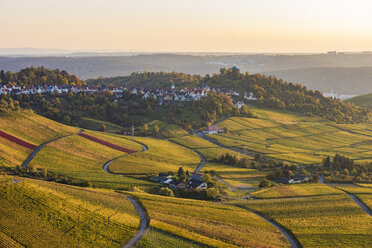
(163,96)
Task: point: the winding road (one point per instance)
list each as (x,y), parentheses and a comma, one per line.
(144,219)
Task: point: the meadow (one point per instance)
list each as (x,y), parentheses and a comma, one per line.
(296,138)
(201,223)
(319,221)
(161,156)
(43,214)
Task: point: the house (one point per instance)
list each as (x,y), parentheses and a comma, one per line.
(213,130)
(159,179)
(197,185)
(286,180)
(196,176)
(249,96)
(301,179)
(168,181)
(239,104)
(295,179)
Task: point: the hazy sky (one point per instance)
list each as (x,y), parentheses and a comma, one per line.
(188,25)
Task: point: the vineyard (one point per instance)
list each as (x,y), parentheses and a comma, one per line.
(162,156)
(296,138)
(299,190)
(17,140)
(41,214)
(81,158)
(319,221)
(106,143)
(207,224)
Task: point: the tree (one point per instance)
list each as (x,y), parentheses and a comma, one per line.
(213,193)
(181,174)
(145,129)
(264,183)
(166,192)
(327,163)
(156,130)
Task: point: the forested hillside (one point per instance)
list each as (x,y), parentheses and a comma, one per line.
(128,110)
(151,80)
(39,75)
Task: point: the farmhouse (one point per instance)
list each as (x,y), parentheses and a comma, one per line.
(196,182)
(213,130)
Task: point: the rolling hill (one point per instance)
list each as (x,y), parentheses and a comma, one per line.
(362,100)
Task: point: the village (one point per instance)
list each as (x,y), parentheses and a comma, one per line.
(162,96)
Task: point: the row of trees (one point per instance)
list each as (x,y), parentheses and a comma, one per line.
(341,168)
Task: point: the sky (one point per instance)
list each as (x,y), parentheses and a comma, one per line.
(243,26)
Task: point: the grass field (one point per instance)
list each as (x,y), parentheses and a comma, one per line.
(296,138)
(319,221)
(42,214)
(80,158)
(217,225)
(297,190)
(162,156)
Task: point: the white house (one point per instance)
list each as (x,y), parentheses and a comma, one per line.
(213,130)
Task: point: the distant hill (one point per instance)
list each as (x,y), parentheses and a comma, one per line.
(348,81)
(362,100)
(346,73)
